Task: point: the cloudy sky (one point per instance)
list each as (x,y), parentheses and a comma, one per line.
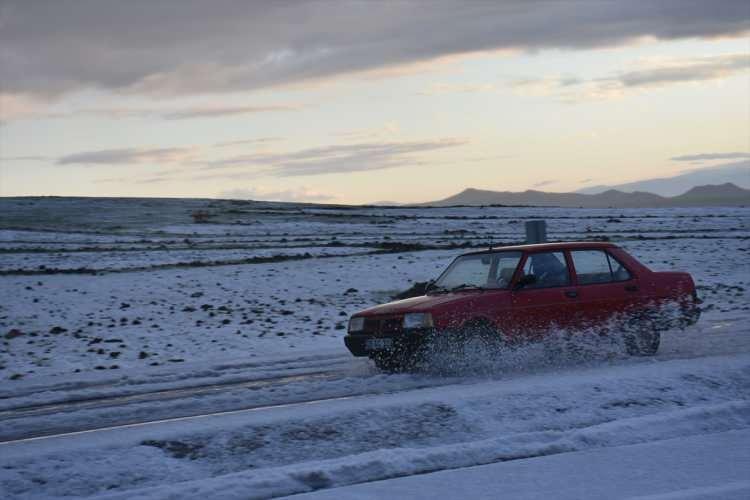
(363,101)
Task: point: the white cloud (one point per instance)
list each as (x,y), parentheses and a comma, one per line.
(453,88)
(339,158)
(711,156)
(129,156)
(195,162)
(259,141)
(220,111)
(29,108)
(644,76)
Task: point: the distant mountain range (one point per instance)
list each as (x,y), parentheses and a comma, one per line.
(727,194)
(737,173)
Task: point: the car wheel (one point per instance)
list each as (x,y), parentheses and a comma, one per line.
(458,349)
(395,361)
(644,342)
(385,363)
(482,335)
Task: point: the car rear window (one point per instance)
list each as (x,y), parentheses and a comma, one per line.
(597,266)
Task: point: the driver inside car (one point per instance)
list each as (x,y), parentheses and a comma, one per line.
(548,270)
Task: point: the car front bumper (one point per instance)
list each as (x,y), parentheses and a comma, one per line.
(361,344)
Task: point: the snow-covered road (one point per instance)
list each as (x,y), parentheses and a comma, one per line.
(73,407)
(301,447)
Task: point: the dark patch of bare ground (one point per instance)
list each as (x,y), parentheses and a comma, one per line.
(384,247)
(176,449)
(271,445)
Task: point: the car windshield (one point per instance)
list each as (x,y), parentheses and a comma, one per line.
(486,270)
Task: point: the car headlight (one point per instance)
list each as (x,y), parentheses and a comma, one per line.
(356,324)
(417,320)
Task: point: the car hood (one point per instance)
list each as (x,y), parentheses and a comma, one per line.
(422,303)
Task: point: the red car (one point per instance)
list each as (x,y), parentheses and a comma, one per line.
(520,293)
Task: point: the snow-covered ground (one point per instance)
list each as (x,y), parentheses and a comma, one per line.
(143,355)
(325,444)
(703,467)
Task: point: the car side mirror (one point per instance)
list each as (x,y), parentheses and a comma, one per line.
(429,286)
(526,280)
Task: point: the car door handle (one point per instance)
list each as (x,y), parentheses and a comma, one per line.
(631,288)
(572,294)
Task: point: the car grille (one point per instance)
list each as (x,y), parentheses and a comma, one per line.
(383,326)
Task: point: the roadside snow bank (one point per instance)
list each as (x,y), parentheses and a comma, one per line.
(400,462)
(694,468)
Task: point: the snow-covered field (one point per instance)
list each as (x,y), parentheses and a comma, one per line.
(144,355)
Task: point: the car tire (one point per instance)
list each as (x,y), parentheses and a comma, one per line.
(482,332)
(452,350)
(385,363)
(398,361)
(457,339)
(644,342)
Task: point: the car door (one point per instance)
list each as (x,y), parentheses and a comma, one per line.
(606,288)
(550,302)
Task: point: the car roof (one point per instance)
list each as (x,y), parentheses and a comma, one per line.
(547,246)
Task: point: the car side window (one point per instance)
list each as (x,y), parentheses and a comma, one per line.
(592,266)
(619,272)
(507,262)
(597,266)
(549,269)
